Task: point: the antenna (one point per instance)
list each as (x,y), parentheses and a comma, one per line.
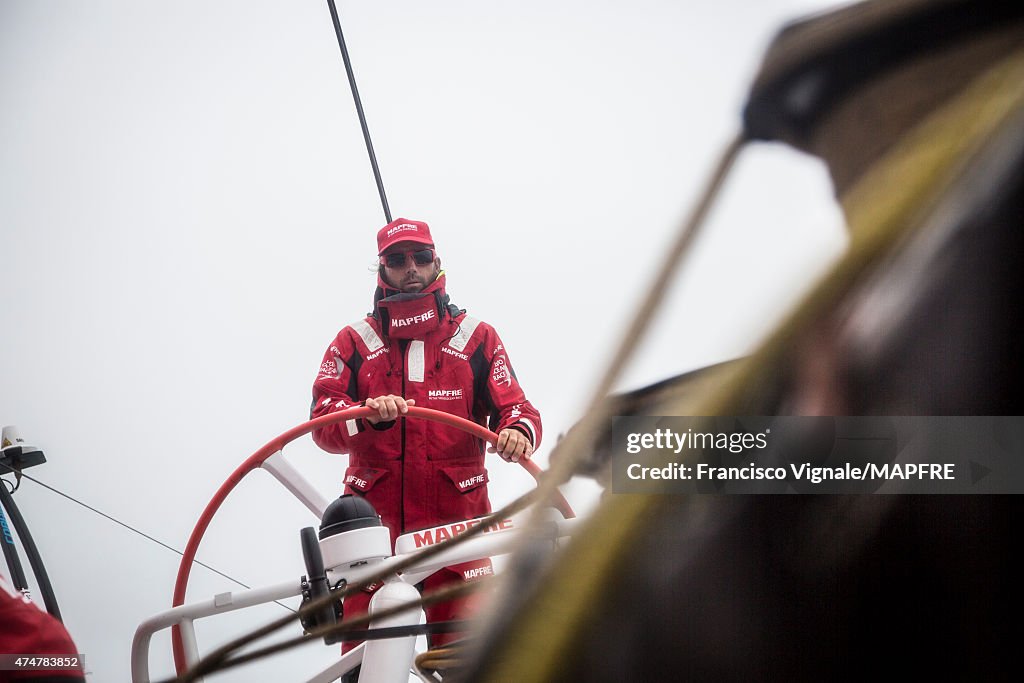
(359,109)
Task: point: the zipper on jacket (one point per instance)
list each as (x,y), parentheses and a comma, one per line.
(403,346)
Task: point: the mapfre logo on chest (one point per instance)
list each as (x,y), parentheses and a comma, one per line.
(444,394)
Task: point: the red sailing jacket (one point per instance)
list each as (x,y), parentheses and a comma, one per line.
(27,630)
(417,473)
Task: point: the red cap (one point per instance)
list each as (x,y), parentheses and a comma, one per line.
(403,230)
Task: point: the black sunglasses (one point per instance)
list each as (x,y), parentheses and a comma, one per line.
(397,259)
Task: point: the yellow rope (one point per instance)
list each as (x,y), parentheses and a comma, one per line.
(442,658)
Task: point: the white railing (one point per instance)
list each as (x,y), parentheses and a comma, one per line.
(379,664)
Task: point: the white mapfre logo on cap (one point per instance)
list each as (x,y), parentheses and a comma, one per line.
(403,227)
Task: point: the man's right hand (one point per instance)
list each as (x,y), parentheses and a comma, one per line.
(388,408)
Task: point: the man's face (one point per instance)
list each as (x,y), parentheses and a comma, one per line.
(411,275)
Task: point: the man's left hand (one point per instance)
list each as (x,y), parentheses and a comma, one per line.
(512,445)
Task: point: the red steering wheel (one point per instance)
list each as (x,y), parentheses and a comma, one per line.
(277,444)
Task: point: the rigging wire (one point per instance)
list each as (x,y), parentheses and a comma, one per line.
(359,108)
(133,529)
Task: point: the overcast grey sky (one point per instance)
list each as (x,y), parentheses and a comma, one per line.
(187,217)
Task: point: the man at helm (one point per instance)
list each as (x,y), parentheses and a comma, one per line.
(416,348)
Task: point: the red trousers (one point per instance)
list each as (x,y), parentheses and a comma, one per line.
(357,604)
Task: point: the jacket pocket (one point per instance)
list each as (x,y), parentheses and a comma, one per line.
(466,478)
(463,493)
(362,479)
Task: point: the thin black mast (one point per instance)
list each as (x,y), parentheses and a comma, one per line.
(359,109)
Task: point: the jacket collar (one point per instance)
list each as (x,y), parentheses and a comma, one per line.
(410,315)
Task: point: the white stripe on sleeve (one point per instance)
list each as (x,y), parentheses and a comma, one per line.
(529,426)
